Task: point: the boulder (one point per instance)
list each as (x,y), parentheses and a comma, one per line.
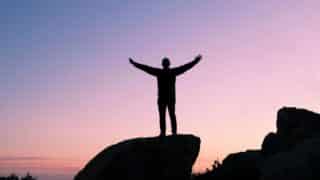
(145,159)
(300,163)
(242,165)
(273,144)
(296,124)
(293,152)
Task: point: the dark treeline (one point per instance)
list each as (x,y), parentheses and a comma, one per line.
(210,173)
(15,177)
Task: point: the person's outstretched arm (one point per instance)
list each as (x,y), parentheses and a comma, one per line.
(150,70)
(181,69)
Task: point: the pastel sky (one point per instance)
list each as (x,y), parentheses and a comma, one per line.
(67,90)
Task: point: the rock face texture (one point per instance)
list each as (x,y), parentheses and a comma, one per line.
(145,158)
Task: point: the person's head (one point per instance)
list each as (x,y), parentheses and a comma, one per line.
(165,63)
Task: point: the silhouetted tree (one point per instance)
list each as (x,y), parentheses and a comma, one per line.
(28,177)
(15,177)
(210,173)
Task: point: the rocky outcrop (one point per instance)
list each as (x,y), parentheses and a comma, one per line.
(294,125)
(242,165)
(300,163)
(293,152)
(144,159)
(272,144)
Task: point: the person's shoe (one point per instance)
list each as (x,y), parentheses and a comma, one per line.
(162,135)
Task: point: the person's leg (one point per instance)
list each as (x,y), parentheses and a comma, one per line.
(162,116)
(172,114)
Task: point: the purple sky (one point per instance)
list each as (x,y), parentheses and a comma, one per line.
(68,91)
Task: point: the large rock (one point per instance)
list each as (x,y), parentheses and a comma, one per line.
(144,159)
(272,144)
(296,124)
(302,163)
(242,165)
(293,152)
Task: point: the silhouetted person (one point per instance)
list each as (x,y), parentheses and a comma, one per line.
(166,78)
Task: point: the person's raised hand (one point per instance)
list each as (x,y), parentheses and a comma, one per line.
(198,58)
(131,61)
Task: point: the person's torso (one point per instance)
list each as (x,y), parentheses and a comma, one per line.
(166,85)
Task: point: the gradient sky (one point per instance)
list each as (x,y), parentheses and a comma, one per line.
(67,90)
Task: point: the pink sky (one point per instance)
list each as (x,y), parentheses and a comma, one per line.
(70,94)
